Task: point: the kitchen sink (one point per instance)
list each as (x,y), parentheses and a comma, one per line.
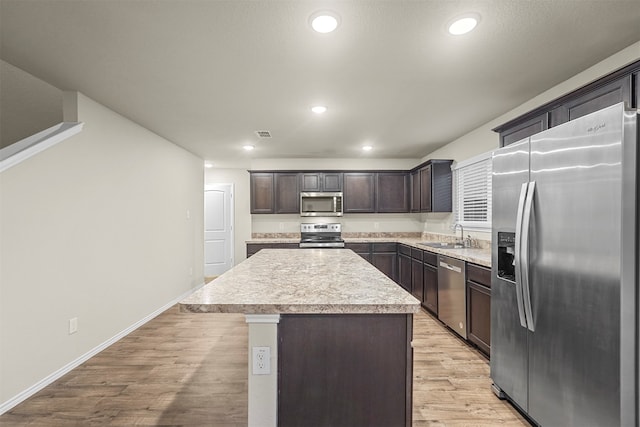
(442,245)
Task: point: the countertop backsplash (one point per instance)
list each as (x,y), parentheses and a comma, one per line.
(427,237)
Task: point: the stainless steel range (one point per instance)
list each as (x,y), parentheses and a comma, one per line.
(321,236)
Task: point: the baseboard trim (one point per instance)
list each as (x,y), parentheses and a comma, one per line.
(24,395)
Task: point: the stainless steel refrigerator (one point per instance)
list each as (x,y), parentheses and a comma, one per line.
(564,272)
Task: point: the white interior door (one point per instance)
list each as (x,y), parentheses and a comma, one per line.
(218,229)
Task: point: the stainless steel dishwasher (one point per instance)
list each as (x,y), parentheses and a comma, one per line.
(452,294)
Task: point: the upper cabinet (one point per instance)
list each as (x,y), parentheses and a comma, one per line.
(262,193)
(274,192)
(525,129)
(431,187)
(415,191)
(287,193)
(601,97)
(425,189)
(363,191)
(321,181)
(622,85)
(392,192)
(359,192)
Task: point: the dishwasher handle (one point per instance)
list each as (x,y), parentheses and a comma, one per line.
(450,267)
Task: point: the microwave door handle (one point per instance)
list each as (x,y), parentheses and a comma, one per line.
(335,203)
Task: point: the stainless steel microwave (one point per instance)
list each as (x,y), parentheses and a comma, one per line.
(321,204)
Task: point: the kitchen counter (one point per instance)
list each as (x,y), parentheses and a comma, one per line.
(302,281)
(473,255)
(313,312)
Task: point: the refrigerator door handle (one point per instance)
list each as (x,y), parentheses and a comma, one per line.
(518,255)
(524,253)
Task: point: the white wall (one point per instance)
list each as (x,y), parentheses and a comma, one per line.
(476,142)
(28,105)
(333,164)
(94,228)
(483,139)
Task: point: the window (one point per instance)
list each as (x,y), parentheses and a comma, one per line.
(472,192)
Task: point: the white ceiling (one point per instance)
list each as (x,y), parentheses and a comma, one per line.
(207,74)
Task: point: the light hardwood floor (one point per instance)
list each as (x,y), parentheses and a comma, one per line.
(191,370)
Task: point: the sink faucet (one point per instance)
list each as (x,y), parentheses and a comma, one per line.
(454,227)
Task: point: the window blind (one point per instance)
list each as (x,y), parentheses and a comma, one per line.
(472,201)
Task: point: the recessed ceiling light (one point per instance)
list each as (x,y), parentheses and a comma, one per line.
(208,165)
(248,147)
(367,148)
(319,109)
(463,24)
(324,22)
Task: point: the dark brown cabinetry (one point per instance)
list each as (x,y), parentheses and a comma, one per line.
(636,84)
(274,192)
(287,193)
(415,191)
(430,277)
(384,257)
(432,185)
(332,373)
(479,307)
(262,193)
(425,189)
(359,192)
(620,86)
(362,249)
(278,192)
(321,181)
(417,284)
(404,267)
(418,274)
(252,248)
(525,129)
(392,192)
(601,97)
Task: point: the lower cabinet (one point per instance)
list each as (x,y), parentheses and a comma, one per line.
(404,267)
(479,307)
(430,278)
(252,248)
(362,249)
(385,258)
(417,285)
(333,372)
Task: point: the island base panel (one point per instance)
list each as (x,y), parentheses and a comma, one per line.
(345,370)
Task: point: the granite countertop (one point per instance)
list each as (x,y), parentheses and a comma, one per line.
(480,256)
(473,255)
(287,281)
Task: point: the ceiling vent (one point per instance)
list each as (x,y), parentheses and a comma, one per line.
(263,134)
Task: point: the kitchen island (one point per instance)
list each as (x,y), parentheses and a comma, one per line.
(338,334)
